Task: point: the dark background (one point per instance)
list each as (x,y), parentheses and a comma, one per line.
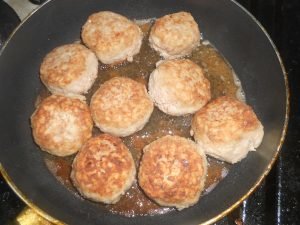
(276,201)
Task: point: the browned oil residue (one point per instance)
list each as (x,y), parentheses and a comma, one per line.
(216,170)
(134,202)
(216,69)
(61,168)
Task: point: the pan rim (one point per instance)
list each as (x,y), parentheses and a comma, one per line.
(51,219)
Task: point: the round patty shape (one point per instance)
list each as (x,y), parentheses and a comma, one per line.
(178,87)
(69,69)
(227,129)
(103,169)
(175,35)
(173,171)
(61,125)
(121,106)
(113,37)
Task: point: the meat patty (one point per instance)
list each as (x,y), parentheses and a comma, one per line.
(113,37)
(227,129)
(61,125)
(104,169)
(172,171)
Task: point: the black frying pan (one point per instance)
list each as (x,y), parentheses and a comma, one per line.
(230,28)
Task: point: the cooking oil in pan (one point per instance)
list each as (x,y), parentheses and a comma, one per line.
(223,82)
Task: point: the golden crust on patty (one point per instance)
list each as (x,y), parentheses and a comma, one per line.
(103,169)
(121,106)
(179,87)
(113,37)
(172,171)
(70,68)
(227,129)
(61,125)
(175,35)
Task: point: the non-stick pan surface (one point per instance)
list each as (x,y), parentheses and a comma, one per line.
(228,27)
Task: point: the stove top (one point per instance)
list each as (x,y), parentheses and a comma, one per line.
(275,201)
(8,21)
